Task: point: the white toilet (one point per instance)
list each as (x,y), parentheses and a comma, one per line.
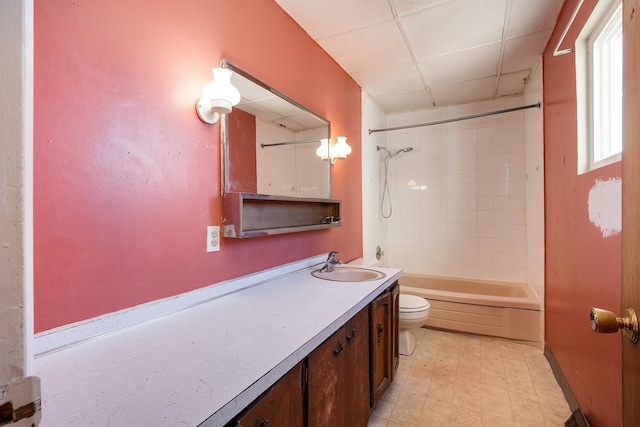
(414,312)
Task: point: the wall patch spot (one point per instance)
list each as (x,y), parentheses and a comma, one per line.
(605,206)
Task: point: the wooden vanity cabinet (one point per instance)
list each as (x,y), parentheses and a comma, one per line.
(338,388)
(340,382)
(282,405)
(384,355)
(395,340)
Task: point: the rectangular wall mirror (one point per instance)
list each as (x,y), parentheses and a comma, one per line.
(269,143)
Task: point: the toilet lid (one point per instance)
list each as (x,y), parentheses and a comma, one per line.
(411,303)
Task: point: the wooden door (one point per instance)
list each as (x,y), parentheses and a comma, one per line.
(381,345)
(338,384)
(631,207)
(283,405)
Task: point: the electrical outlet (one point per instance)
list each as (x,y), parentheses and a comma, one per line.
(213,238)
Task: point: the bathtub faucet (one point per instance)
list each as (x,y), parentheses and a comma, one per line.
(332,261)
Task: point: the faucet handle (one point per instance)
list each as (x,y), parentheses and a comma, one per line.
(333,256)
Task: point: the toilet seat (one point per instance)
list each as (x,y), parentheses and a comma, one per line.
(413,304)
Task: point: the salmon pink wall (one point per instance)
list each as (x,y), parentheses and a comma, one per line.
(126,177)
(241,150)
(582,266)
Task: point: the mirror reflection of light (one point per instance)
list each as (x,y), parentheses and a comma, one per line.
(413,185)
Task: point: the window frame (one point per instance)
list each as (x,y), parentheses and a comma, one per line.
(587,49)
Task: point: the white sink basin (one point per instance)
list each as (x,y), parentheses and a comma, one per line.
(349,274)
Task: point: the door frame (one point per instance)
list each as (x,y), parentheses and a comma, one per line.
(630,290)
(16,223)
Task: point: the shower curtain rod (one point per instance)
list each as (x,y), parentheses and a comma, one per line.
(474,116)
(276,144)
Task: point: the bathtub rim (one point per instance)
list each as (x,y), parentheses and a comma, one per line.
(530,302)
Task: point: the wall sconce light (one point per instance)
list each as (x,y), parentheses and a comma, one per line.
(338,151)
(341,150)
(218,96)
(323,150)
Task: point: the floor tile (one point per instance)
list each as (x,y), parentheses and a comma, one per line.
(456,379)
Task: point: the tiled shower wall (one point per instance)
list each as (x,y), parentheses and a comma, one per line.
(467,201)
(373,225)
(290,170)
(534,154)
(458,198)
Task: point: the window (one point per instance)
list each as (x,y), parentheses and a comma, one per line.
(599,72)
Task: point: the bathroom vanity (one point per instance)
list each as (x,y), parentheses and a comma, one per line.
(231,356)
(340,382)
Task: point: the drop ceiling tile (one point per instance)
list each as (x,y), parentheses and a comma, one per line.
(453,26)
(291,124)
(308,121)
(250,91)
(461,66)
(460,93)
(513,83)
(396,78)
(404,7)
(259,111)
(326,18)
(279,105)
(529,16)
(524,52)
(369,48)
(414,100)
(451,41)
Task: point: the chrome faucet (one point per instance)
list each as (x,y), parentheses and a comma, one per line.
(332,261)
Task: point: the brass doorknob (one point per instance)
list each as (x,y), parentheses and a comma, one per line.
(605,322)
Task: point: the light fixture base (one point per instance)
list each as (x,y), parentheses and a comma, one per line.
(205,113)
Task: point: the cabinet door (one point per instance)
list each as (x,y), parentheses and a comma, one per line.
(395,333)
(381,345)
(282,405)
(339,377)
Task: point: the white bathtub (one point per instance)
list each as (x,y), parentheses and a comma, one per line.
(502,309)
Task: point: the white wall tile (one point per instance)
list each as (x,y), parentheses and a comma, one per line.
(534,174)
(462,199)
(374,228)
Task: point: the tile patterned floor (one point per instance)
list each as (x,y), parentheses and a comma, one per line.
(456,380)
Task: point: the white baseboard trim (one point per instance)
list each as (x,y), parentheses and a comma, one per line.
(75,333)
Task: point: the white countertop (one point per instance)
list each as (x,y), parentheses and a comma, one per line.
(202,365)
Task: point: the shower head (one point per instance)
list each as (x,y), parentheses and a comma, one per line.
(390,154)
(402,150)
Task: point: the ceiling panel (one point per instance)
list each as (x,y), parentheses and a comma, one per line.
(326,18)
(402,51)
(532,16)
(453,26)
(368,48)
(460,93)
(462,66)
(414,100)
(520,53)
(404,7)
(513,83)
(395,78)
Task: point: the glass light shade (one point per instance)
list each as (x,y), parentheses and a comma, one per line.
(341,150)
(323,150)
(218,96)
(220,92)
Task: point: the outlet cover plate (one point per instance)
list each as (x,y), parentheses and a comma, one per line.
(213,238)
